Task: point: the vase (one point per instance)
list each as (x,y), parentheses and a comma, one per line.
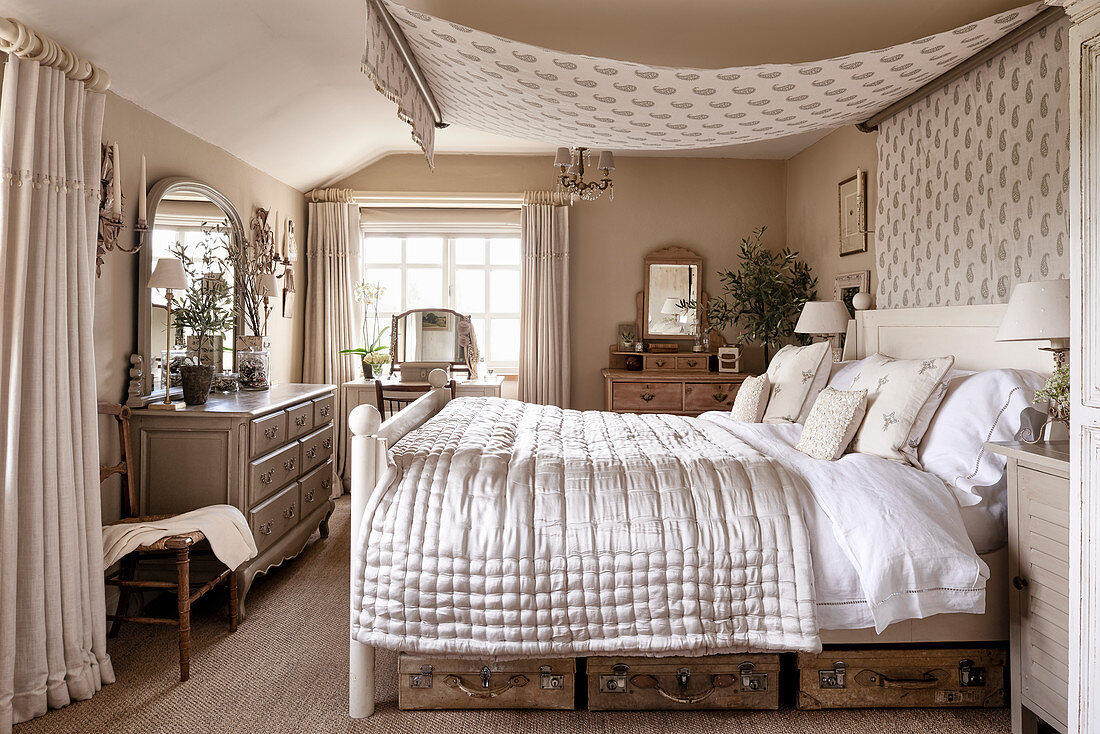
(225,383)
(253,368)
(196,382)
(368,370)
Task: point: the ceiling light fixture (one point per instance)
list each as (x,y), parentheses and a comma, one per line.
(570,163)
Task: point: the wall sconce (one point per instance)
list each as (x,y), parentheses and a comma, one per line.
(110,209)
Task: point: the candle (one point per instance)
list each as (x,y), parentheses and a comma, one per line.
(859,186)
(116,186)
(141,192)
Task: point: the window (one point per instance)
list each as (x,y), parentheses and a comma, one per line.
(474,274)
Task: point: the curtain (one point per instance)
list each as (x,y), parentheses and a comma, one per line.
(332,315)
(544,309)
(52,615)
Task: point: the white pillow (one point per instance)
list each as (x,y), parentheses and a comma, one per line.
(924,417)
(897,389)
(833,421)
(980,407)
(797,375)
(751,400)
(841,374)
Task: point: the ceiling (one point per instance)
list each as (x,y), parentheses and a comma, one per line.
(277,82)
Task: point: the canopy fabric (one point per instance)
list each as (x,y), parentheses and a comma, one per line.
(489,83)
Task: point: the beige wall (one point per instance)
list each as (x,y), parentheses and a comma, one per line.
(171,151)
(812,207)
(703,204)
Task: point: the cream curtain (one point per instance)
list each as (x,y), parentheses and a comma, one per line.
(332,315)
(544,310)
(52,618)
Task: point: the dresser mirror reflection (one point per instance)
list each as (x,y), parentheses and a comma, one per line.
(672,282)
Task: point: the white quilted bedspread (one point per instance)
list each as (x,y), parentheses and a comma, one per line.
(509,529)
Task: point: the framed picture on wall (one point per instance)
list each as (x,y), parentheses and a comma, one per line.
(435,321)
(847,285)
(852,195)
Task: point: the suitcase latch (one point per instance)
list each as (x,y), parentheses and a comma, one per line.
(486,674)
(751,681)
(835,677)
(683,675)
(423,679)
(548,679)
(971,676)
(616,681)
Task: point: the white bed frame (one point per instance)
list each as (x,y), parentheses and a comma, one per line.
(968,332)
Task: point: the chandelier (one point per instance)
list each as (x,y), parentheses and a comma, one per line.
(570,164)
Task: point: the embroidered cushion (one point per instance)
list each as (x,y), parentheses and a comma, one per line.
(751,400)
(797,375)
(897,389)
(832,423)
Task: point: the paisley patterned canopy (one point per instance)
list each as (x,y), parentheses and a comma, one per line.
(494,84)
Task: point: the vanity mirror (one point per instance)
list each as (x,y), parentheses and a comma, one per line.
(432,335)
(672,276)
(195,223)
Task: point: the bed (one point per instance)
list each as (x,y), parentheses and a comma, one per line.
(612,591)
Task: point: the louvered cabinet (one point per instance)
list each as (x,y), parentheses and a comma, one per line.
(1038,537)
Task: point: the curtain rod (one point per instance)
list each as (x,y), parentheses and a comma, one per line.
(1040,21)
(398,37)
(434,200)
(19,40)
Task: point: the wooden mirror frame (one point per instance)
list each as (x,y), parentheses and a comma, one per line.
(673,255)
(145,267)
(470,355)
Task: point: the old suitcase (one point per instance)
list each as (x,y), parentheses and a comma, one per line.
(901,678)
(426,682)
(707,682)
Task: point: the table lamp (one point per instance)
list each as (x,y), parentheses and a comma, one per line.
(824,318)
(169,275)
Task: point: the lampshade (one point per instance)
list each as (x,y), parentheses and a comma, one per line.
(670,306)
(823,317)
(266,285)
(563,158)
(1037,310)
(169,274)
(607,160)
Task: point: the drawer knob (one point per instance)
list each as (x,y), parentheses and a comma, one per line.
(272,432)
(289,464)
(300,421)
(720,397)
(692,363)
(309,496)
(288,513)
(327,443)
(659,362)
(265,529)
(325,483)
(311,452)
(647,396)
(267,477)
(325,411)
(1019,583)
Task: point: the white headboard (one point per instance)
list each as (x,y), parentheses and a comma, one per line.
(968,332)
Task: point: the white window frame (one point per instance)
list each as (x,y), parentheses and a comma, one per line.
(450,268)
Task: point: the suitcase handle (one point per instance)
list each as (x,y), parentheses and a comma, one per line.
(516,681)
(869,678)
(716,681)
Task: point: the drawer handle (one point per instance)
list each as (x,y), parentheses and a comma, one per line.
(325,483)
(300,421)
(1019,583)
(267,477)
(265,529)
(289,464)
(647,396)
(324,411)
(311,452)
(692,362)
(720,397)
(288,513)
(309,496)
(327,443)
(659,362)
(272,432)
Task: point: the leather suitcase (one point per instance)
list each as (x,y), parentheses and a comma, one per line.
(748,681)
(425,682)
(902,678)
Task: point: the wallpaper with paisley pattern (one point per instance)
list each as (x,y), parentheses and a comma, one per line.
(973,182)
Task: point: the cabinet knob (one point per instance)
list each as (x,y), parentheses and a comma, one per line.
(300,421)
(1019,583)
(691,363)
(659,362)
(327,443)
(272,432)
(647,396)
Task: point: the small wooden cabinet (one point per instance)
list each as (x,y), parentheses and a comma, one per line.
(1038,540)
(681,392)
(269,454)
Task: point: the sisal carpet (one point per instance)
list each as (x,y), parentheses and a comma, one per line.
(285,670)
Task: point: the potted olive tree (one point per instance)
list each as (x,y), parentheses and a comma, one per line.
(205,310)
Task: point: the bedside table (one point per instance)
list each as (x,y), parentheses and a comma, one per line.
(1038,568)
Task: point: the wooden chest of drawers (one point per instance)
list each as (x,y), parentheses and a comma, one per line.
(679,391)
(269,454)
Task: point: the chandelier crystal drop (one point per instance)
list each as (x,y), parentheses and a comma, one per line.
(571,163)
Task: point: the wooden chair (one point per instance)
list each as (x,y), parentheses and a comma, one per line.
(394,396)
(187,592)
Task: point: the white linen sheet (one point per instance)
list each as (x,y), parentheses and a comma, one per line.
(888,541)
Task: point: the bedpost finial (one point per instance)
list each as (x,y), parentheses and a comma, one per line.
(437,378)
(364,420)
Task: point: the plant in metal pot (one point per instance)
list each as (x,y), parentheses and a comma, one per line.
(205,311)
(764,296)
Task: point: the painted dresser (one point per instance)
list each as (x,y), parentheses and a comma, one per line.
(269,454)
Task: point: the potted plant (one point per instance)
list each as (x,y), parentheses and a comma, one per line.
(375,354)
(626,340)
(206,312)
(764,296)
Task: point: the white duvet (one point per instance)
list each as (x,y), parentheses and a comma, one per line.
(509,529)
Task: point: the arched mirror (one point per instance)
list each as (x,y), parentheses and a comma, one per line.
(195,223)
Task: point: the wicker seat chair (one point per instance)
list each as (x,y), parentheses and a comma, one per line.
(393,396)
(177,545)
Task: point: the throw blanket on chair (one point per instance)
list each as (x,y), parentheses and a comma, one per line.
(506,529)
(223,525)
